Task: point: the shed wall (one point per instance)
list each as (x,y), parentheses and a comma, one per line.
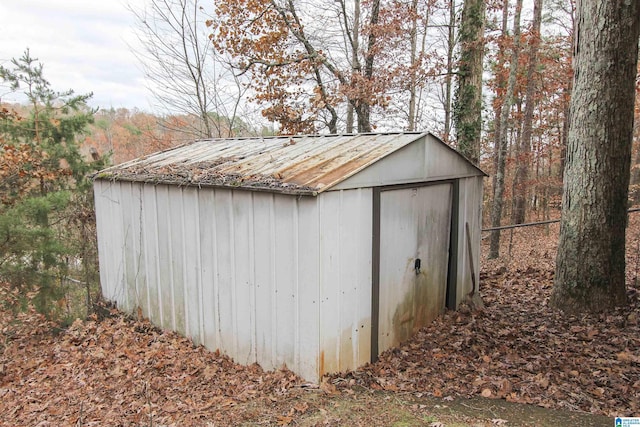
(470,211)
(265,278)
(426,159)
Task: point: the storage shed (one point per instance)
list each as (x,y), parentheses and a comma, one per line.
(314,252)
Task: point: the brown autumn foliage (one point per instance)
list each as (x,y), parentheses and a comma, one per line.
(307,62)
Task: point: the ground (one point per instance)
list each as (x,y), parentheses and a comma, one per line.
(514,363)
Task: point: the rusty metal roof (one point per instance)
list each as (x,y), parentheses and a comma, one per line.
(284,164)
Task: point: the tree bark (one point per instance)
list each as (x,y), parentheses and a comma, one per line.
(524,148)
(590,265)
(498,202)
(363,110)
(413,59)
(500,90)
(354,41)
(451,44)
(467,110)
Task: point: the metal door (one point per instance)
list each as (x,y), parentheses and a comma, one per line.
(414,255)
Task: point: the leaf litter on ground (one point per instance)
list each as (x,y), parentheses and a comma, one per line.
(118,370)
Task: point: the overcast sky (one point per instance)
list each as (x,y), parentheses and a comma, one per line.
(83,45)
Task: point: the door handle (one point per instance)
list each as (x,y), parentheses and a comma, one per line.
(416,265)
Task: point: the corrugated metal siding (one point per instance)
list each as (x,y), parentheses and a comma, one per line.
(414,224)
(296,165)
(345,279)
(470,199)
(265,278)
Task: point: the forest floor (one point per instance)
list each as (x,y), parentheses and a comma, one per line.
(514,363)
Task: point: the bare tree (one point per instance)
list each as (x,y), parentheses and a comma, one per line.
(451,44)
(524,148)
(187,77)
(502,143)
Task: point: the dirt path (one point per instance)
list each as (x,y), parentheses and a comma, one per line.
(366,408)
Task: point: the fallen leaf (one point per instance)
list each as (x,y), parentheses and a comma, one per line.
(284,420)
(301,407)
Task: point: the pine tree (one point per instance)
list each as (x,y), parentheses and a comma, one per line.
(43,183)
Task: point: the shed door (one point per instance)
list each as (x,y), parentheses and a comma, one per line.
(414,225)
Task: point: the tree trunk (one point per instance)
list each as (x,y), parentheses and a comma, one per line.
(411,122)
(355,47)
(590,265)
(524,148)
(467,110)
(565,135)
(500,89)
(451,44)
(362,106)
(498,194)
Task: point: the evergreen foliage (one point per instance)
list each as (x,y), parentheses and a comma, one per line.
(45,193)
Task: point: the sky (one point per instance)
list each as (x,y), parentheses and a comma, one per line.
(83,45)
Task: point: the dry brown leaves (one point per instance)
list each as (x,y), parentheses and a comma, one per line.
(123,372)
(518,348)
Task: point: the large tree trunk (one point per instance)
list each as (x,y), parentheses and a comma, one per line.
(524,148)
(498,191)
(467,110)
(590,265)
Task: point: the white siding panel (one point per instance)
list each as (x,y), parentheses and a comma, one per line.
(208,270)
(165,253)
(345,279)
(359,220)
(330,331)
(150,307)
(110,267)
(243,305)
(132,215)
(176,240)
(308,315)
(286,279)
(264,274)
(117,209)
(352,273)
(470,200)
(137,222)
(225,249)
(191,260)
(129,216)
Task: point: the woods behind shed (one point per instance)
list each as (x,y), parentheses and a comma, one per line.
(317,252)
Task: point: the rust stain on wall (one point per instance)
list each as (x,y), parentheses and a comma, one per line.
(321,371)
(348,351)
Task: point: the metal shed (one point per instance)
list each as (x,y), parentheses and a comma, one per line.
(316,252)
